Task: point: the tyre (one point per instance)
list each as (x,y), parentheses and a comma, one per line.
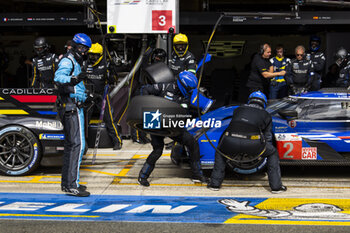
(248,167)
(141,105)
(20,151)
(158,73)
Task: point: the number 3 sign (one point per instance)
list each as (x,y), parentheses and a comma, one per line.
(161,20)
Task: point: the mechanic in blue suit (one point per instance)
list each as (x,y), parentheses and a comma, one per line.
(72,95)
(278,85)
(249,134)
(180,92)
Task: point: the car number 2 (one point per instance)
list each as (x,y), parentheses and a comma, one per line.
(290,149)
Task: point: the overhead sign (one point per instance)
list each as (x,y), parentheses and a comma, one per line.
(142,16)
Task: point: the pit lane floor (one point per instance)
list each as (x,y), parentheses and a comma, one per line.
(314,197)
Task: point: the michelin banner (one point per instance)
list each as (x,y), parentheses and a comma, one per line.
(142,16)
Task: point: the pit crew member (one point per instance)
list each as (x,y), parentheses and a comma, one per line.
(278,85)
(72,94)
(262,71)
(180,92)
(249,132)
(181,58)
(318,60)
(44,65)
(300,72)
(98,76)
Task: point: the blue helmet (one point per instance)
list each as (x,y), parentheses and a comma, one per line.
(186,82)
(83,39)
(315,39)
(258,97)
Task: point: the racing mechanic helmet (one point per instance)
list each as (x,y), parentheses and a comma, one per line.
(40,45)
(180,44)
(158,55)
(315,43)
(186,82)
(258,97)
(82,43)
(95,54)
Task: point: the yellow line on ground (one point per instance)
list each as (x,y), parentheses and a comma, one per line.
(230,186)
(100,172)
(51,216)
(185,185)
(31,182)
(286,222)
(126,168)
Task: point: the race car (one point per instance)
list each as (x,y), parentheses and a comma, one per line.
(30,130)
(309,128)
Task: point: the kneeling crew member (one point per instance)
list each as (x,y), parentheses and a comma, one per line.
(99,76)
(249,132)
(179,92)
(72,95)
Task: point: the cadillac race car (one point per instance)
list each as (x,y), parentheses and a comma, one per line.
(29,128)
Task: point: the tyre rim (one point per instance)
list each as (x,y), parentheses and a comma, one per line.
(16,151)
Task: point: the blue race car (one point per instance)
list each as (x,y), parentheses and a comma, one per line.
(311,128)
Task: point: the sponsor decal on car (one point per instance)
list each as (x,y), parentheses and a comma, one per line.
(292,124)
(47,136)
(309,153)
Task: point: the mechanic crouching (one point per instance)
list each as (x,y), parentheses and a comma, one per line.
(249,133)
(72,95)
(180,92)
(300,72)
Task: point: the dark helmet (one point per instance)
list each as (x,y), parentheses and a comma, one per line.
(158,55)
(258,97)
(315,43)
(40,46)
(186,82)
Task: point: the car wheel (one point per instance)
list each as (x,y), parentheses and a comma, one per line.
(20,151)
(248,167)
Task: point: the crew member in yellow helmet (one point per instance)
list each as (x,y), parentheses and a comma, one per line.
(181,58)
(99,75)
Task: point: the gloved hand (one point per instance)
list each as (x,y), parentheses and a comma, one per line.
(74,80)
(79,93)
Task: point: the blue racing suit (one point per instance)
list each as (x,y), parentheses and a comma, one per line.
(71,113)
(278,85)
